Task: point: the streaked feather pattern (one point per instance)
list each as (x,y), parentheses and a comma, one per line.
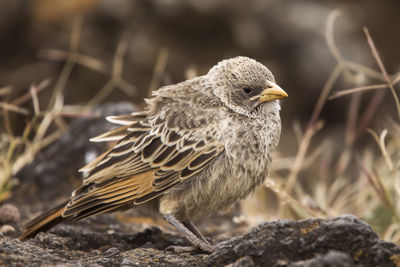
(149,158)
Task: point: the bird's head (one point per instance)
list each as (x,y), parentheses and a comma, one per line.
(245,86)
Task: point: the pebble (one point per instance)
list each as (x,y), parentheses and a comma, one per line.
(126,262)
(112,251)
(9,213)
(5,229)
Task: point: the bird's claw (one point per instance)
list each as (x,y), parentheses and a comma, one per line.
(188,249)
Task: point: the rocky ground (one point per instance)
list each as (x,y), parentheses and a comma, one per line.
(127,240)
(105,241)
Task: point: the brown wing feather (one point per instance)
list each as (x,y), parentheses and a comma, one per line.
(127,119)
(149,160)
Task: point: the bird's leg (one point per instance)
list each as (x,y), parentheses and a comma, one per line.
(196,231)
(192,237)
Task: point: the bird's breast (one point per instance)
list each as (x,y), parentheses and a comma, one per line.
(249,146)
(234,174)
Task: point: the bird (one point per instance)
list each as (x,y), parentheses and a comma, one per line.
(195,149)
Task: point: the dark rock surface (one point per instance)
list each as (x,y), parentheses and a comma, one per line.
(315,242)
(340,241)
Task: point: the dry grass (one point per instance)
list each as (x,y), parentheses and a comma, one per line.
(46,124)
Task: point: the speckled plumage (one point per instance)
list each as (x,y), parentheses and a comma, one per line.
(198,147)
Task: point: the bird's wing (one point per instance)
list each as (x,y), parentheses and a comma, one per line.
(152,155)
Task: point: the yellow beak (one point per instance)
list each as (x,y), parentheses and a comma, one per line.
(272,92)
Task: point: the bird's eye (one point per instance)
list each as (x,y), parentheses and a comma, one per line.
(247,90)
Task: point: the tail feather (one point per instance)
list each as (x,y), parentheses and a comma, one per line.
(43,222)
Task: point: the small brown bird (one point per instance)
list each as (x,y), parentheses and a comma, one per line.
(198,147)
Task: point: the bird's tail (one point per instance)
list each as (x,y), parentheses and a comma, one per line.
(43,222)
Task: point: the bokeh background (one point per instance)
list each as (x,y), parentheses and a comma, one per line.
(97,51)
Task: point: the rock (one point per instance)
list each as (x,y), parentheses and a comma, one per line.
(344,239)
(5,229)
(332,258)
(9,213)
(245,261)
(341,241)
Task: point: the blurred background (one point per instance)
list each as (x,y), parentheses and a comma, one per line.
(69,56)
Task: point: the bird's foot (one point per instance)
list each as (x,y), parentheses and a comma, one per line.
(188,249)
(182,249)
(191,233)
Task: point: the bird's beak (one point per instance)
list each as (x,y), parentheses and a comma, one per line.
(272,92)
